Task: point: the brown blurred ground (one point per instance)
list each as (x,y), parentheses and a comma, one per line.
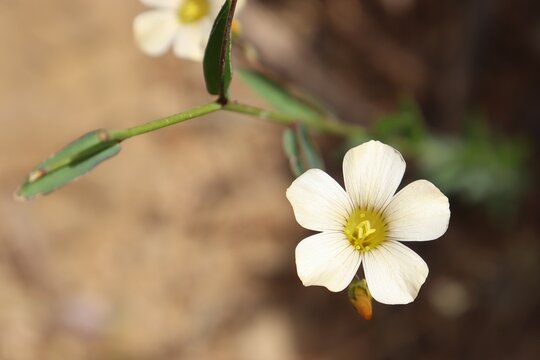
(182,246)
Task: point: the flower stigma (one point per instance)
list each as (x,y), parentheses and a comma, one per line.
(193,10)
(365,229)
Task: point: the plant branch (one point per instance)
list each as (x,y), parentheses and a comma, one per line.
(120,135)
(317,123)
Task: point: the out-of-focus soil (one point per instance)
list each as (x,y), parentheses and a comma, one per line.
(182,247)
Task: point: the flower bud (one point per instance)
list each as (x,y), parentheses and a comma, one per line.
(360,298)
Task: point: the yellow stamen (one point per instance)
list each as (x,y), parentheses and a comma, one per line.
(193,10)
(365,229)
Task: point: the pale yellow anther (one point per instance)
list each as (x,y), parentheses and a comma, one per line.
(365,230)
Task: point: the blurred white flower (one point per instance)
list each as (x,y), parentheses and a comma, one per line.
(366,223)
(184,25)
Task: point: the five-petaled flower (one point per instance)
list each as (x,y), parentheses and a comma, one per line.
(366,224)
(183,24)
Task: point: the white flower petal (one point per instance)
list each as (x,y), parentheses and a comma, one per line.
(190,41)
(319,203)
(161,3)
(327,259)
(154,31)
(419,212)
(394,273)
(372,173)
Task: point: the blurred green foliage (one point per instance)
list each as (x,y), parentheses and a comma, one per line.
(477,165)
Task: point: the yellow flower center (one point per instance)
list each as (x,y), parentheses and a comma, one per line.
(193,10)
(365,229)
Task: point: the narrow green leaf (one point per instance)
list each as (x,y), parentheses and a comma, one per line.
(217,57)
(276,95)
(290,146)
(73,161)
(301,150)
(311,156)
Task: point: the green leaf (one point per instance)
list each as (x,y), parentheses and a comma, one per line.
(68,164)
(290,146)
(276,95)
(301,150)
(217,57)
(310,154)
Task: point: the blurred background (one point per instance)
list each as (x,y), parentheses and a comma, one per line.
(182,247)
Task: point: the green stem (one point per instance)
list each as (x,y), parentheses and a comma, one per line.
(317,123)
(120,135)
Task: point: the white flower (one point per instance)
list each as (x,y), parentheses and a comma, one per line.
(366,224)
(183,24)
